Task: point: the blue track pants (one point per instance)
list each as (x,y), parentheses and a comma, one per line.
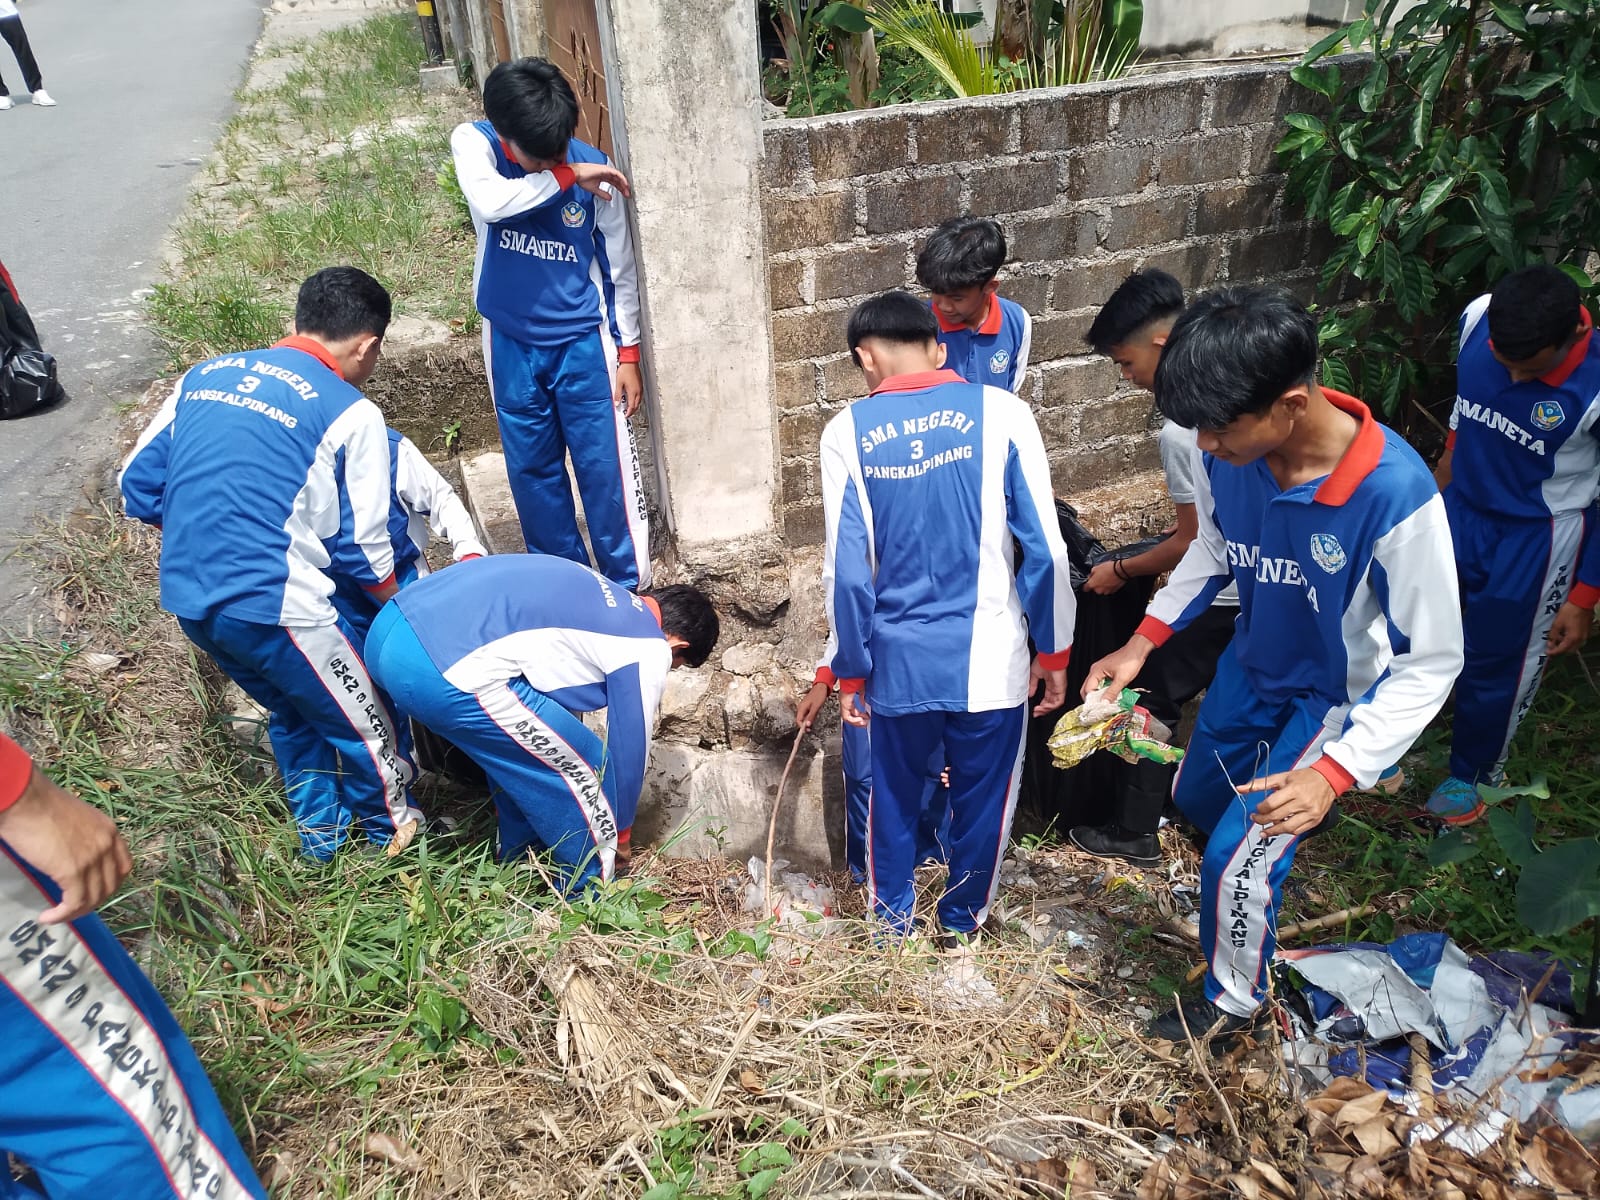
(333,732)
(933,824)
(1238,738)
(984,752)
(1515,576)
(357,607)
(548,773)
(551,401)
(100,1093)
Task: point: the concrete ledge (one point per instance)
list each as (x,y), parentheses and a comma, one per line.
(443,78)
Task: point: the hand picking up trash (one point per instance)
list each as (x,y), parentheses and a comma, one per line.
(1113,721)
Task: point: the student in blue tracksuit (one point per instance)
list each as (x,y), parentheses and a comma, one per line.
(268,472)
(556,284)
(1520,476)
(100,1092)
(926,482)
(420,501)
(501,654)
(1349,633)
(986,338)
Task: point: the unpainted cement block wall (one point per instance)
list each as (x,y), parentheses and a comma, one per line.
(1173,171)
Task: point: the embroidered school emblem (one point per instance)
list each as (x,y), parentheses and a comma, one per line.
(1547,414)
(573,215)
(1327,553)
(999,362)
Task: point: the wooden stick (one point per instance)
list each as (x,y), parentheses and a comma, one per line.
(1311,926)
(1421,1074)
(772,825)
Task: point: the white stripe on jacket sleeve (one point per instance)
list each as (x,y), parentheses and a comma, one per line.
(611,223)
(490,195)
(1019,365)
(1416,560)
(1203,572)
(848,566)
(365,440)
(143,478)
(427,493)
(1044,583)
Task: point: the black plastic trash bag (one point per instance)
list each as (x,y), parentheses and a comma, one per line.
(27,372)
(1084,794)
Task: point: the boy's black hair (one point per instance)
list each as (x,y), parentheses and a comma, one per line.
(1140,299)
(1234,351)
(530,104)
(687,614)
(1531,310)
(342,302)
(963,252)
(894,317)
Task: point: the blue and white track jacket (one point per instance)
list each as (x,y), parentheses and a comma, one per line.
(264,470)
(995,353)
(422,501)
(582,640)
(554,261)
(1528,451)
(1347,592)
(924,484)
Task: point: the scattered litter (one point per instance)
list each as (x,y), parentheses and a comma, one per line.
(1114,723)
(798,901)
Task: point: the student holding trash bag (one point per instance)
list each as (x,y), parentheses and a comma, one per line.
(1349,632)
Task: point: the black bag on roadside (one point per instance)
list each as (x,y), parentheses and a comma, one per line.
(27,371)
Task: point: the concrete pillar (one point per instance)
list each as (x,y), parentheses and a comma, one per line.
(686,92)
(525,24)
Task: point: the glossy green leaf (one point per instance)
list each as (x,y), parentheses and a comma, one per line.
(1313,79)
(846,17)
(1513,829)
(1324,46)
(1434,194)
(1527,87)
(1577,275)
(1307,122)
(1509,15)
(1537,788)
(1367,238)
(1560,888)
(1374,86)
(1451,846)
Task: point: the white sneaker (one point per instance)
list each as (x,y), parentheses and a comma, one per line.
(6,102)
(42,99)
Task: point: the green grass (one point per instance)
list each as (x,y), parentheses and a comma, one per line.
(336,164)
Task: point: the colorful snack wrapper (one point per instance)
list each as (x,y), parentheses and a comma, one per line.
(1111,722)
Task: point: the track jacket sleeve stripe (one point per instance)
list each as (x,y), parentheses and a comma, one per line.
(1019,365)
(1044,582)
(847,561)
(1413,573)
(427,493)
(363,438)
(490,195)
(1200,576)
(614,244)
(143,479)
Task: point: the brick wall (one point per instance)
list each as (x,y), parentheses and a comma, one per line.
(1170,171)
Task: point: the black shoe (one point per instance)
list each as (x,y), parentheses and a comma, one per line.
(1329,820)
(1204,1020)
(1113,841)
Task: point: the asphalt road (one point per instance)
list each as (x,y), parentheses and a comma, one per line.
(88,190)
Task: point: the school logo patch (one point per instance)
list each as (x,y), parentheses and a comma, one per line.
(999,362)
(573,215)
(1327,553)
(1547,414)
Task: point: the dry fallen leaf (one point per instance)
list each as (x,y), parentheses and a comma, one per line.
(392,1151)
(1559,1161)
(1271,1176)
(751,1082)
(1360,1110)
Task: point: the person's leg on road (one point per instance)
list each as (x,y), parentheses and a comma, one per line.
(984,750)
(603,461)
(536,455)
(16,37)
(100,1092)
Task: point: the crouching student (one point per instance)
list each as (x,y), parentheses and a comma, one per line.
(1349,634)
(420,501)
(499,656)
(926,482)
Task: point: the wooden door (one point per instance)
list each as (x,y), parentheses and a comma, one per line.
(572,31)
(497,31)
